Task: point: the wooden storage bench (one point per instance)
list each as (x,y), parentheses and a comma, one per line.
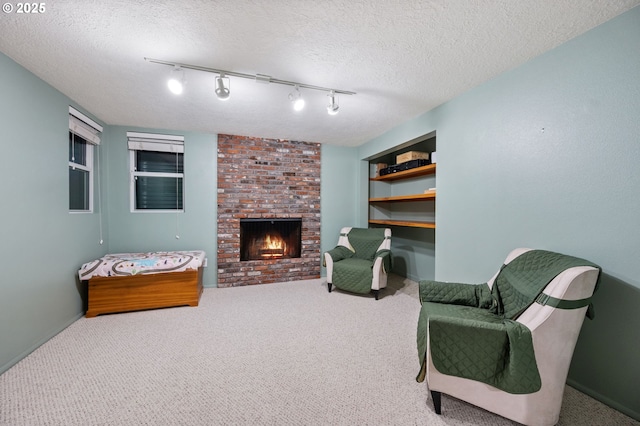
(146,288)
(136,292)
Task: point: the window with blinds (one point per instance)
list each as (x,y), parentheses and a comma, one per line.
(157,172)
(84,135)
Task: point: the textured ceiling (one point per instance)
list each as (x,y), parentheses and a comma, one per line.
(402,57)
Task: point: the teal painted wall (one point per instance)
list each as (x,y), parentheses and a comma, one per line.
(42,245)
(338,205)
(546,156)
(152,231)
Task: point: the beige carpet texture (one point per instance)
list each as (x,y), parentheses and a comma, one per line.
(273,354)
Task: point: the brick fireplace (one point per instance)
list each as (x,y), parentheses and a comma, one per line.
(271,181)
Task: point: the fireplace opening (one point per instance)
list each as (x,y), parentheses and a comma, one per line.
(267,239)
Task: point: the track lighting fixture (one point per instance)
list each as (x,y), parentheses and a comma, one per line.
(333,106)
(296,99)
(176,80)
(223,84)
(223,87)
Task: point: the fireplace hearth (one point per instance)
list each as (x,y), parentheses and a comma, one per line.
(270,239)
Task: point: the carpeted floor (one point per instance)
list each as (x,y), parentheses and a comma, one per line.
(277,354)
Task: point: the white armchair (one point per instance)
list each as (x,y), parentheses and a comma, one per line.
(554,320)
(361,260)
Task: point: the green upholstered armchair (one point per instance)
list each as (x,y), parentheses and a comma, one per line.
(361,260)
(506,345)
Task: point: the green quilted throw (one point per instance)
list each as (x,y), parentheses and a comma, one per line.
(365,242)
(521,281)
(472,329)
(353,275)
(337,254)
(475,344)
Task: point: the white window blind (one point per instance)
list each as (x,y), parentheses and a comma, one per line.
(155,142)
(84,127)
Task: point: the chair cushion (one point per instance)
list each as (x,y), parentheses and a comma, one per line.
(353,275)
(366,242)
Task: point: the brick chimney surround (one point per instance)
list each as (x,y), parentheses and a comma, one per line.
(263,179)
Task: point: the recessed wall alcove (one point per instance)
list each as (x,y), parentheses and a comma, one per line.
(268,180)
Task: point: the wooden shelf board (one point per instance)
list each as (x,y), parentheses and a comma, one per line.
(406,174)
(412,224)
(431,195)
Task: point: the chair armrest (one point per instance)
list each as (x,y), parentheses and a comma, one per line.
(338,253)
(443,330)
(477,295)
(500,354)
(387,260)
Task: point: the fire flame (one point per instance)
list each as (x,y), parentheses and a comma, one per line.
(274,244)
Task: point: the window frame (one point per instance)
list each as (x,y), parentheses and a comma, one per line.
(87,168)
(88,131)
(153,143)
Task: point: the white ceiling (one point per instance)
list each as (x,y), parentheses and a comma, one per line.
(402,57)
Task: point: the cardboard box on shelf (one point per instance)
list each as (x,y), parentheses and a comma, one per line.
(380,166)
(411,155)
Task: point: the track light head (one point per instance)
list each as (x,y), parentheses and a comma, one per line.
(333,106)
(176,81)
(223,87)
(296,99)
